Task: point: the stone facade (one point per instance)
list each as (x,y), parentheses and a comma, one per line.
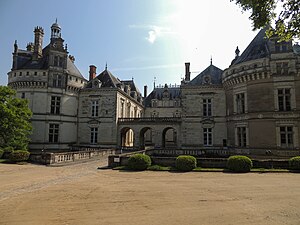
(252,106)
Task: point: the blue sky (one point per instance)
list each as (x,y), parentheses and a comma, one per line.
(139,39)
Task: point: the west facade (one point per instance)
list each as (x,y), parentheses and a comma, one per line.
(252,106)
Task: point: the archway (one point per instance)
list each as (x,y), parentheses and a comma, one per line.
(169,138)
(127,137)
(145,138)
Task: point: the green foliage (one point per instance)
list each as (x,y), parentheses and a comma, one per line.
(294,163)
(15,126)
(287,22)
(19,156)
(160,168)
(139,162)
(239,164)
(186,163)
(1,153)
(7,151)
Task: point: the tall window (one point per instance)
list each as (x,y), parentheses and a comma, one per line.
(55,105)
(240,103)
(57,80)
(122,109)
(241,136)
(94,135)
(94,108)
(53,133)
(286,136)
(282,68)
(284,99)
(207,107)
(207,136)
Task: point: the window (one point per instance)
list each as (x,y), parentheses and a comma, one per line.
(282,68)
(94,108)
(61,61)
(57,80)
(55,105)
(207,107)
(53,133)
(94,135)
(284,99)
(241,136)
(27,73)
(44,73)
(281,47)
(35,73)
(240,103)
(56,58)
(20,74)
(23,95)
(122,108)
(286,136)
(207,136)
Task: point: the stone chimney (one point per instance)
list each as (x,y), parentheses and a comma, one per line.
(145,91)
(92,72)
(187,72)
(30,47)
(38,43)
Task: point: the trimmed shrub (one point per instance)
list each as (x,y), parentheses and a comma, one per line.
(7,151)
(1,153)
(294,163)
(139,162)
(239,164)
(186,163)
(19,156)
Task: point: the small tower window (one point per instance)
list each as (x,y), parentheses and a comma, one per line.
(20,74)
(35,73)
(23,95)
(27,73)
(44,73)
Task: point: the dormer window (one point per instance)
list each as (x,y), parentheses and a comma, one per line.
(281,47)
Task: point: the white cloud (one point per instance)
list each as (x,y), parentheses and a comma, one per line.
(153,31)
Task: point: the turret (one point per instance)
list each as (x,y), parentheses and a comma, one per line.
(15,55)
(55,30)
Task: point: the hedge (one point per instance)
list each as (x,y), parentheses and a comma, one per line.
(139,162)
(294,163)
(186,163)
(239,164)
(19,156)
(1,153)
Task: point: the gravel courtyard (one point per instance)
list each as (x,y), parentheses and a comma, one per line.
(81,194)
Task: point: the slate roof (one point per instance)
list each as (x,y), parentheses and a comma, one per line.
(157,93)
(107,80)
(132,85)
(214,73)
(24,61)
(258,48)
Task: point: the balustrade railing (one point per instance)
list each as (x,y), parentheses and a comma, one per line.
(149,119)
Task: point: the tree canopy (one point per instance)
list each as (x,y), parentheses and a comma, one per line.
(287,22)
(15,125)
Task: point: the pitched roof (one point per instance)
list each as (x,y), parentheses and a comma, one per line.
(157,93)
(132,85)
(258,48)
(72,69)
(107,80)
(210,76)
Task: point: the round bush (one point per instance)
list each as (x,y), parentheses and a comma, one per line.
(239,164)
(294,163)
(7,151)
(186,163)
(1,153)
(19,156)
(139,162)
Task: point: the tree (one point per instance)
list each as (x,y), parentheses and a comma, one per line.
(287,22)
(15,125)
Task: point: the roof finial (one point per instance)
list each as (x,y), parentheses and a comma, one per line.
(154,82)
(132,78)
(210,60)
(237,52)
(56,20)
(106,66)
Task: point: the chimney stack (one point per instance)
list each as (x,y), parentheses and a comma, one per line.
(145,91)
(38,43)
(187,72)
(92,72)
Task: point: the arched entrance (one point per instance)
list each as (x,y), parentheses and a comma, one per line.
(145,138)
(169,138)
(127,137)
